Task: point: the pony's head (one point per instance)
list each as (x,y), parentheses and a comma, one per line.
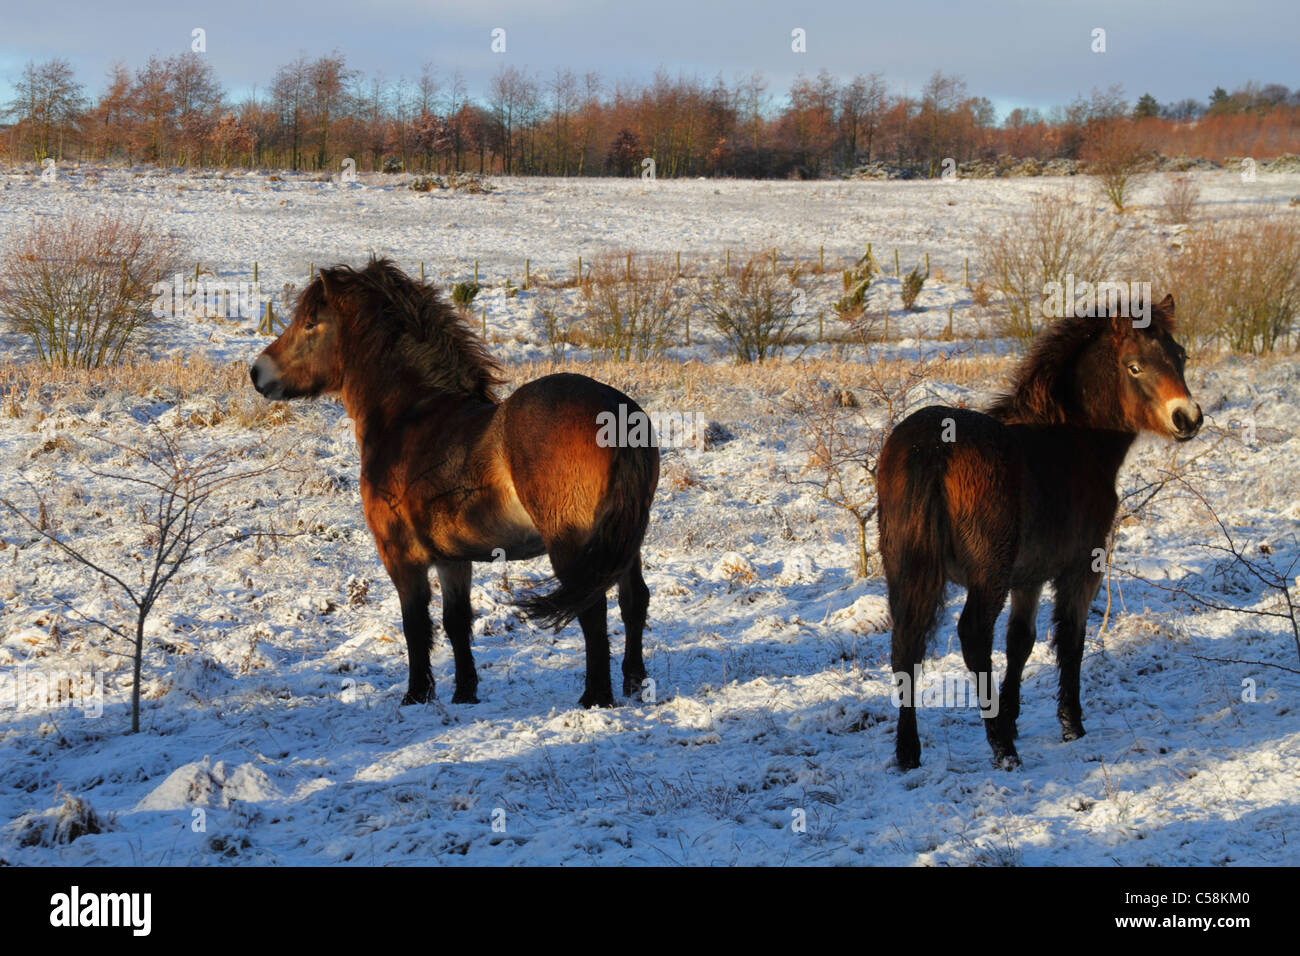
(307,358)
(1108,372)
(1153,394)
(387,335)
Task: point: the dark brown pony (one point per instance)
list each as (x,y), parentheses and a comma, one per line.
(450,475)
(1018,496)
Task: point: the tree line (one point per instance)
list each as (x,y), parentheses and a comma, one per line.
(174,111)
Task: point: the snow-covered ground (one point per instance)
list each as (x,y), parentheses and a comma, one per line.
(274,668)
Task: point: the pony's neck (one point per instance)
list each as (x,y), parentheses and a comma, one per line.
(1108,449)
(378,403)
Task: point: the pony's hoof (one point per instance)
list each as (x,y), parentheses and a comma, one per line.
(1072,731)
(412,697)
(590,700)
(469,696)
(1007,760)
(632,686)
(909,758)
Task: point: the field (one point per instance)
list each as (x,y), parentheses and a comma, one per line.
(271,731)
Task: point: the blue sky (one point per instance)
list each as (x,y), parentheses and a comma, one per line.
(1015,52)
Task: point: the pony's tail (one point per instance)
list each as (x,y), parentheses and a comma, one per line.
(914,538)
(587,573)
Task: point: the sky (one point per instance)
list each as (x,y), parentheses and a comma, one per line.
(1015,52)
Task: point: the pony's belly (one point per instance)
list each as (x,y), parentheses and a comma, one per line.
(522,550)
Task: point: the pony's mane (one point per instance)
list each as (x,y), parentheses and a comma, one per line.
(1041,390)
(396,319)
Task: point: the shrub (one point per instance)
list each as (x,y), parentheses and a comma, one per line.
(1115,154)
(463,293)
(81,287)
(464,182)
(759,314)
(912,284)
(631,316)
(1179,198)
(1056,239)
(856,283)
(556,326)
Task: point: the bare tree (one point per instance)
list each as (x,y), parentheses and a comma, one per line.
(289,92)
(1271,577)
(842,431)
(154,108)
(1057,239)
(46,101)
(196,101)
(564,98)
(327,81)
(177,530)
(511,95)
(862,106)
(1116,155)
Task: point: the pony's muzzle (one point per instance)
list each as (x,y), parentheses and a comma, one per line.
(266,377)
(1186,418)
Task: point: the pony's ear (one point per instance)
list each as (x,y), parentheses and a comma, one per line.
(1120,326)
(328,284)
(1165,310)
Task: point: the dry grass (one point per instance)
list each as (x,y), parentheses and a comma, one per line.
(182,377)
(714,386)
(33,389)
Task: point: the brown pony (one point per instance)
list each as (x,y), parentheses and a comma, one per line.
(450,475)
(1022,495)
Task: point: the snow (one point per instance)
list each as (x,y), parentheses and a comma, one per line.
(274,669)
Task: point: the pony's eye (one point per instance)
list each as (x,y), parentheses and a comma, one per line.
(311,324)
(1134,368)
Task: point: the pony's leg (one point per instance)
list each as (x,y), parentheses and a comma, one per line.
(412,583)
(975,628)
(457,616)
(906,664)
(912,605)
(599,692)
(633,600)
(1022,631)
(1074,594)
